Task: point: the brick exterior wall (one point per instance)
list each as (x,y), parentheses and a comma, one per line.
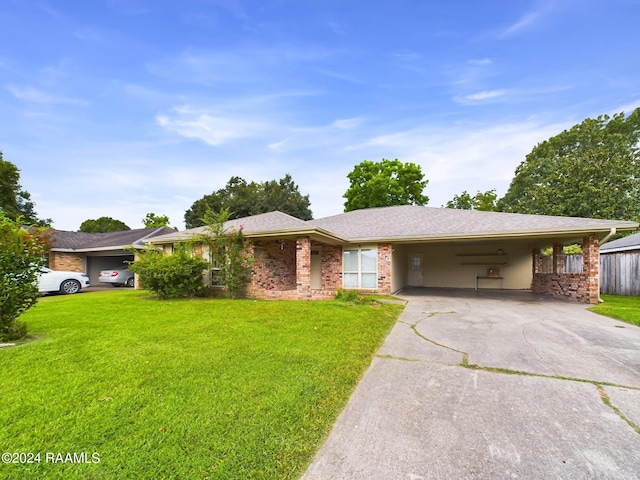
(282,270)
(274,267)
(70,262)
(331,268)
(384,268)
(583,287)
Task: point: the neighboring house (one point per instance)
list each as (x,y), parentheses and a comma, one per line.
(620,266)
(386,249)
(92,252)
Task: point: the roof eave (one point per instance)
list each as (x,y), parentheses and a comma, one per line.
(316,233)
(629,248)
(490,235)
(96,249)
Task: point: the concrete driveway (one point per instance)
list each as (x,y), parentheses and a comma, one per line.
(496,385)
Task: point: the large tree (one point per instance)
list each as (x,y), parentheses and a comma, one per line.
(384,184)
(480,201)
(591,170)
(16,203)
(103,225)
(243,199)
(155,221)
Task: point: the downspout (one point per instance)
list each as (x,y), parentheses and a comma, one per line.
(611,233)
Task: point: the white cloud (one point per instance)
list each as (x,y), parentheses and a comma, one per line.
(521,24)
(487,94)
(528,20)
(347,123)
(481,62)
(463,157)
(207,127)
(34,95)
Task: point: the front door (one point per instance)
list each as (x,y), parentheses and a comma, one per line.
(416,273)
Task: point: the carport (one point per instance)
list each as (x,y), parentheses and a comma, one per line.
(500,263)
(503,251)
(494,264)
(443,247)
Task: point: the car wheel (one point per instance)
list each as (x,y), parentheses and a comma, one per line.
(70,286)
(129,282)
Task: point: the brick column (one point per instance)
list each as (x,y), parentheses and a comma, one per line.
(591,266)
(384,268)
(558,258)
(537,261)
(303,267)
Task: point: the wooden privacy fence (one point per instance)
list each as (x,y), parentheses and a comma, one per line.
(619,272)
(572,264)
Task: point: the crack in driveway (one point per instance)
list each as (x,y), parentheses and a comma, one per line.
(464,363)
(526,340)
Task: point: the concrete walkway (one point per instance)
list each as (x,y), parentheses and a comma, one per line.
(495,385)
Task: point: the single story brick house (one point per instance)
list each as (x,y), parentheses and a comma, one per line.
(91,252)
(384,250)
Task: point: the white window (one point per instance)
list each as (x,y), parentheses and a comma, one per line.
(360,268)
(214,272)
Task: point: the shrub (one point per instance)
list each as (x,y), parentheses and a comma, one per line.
(229,250)
(21,256)
(170,276)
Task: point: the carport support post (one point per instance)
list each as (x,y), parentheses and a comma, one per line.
(591,266)
(537,261)
(558,258)
(303,267)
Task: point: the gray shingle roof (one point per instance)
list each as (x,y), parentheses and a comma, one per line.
(632,242)
(414,223)
(65,240)
(410,221)
(264,222)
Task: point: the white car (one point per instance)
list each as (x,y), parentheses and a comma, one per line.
(63,282)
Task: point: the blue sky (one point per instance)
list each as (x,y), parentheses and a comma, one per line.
(123,107)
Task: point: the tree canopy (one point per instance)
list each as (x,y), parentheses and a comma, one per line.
(384,184)
(102,225)
(16,203)
(151,220)
(243,199)
(591,170)
(480,201)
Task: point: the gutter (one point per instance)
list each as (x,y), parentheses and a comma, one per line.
(325,235)
(485,236)
(97,249)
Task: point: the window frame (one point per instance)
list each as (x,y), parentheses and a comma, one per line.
(359,272)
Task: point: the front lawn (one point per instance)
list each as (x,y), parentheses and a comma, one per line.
(209,388)
(626,309)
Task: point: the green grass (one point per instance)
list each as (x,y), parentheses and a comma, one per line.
(206,388)
(622,308)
